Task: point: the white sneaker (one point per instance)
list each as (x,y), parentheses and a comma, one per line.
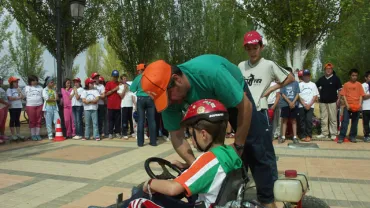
(125,137)
(166,138)
(321,136)
(145,136)
(51,138)
(118,135)
(110,136)
(333,137)
(76,137)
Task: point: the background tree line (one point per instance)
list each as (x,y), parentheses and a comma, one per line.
(118,34)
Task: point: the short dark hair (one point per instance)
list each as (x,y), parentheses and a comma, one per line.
(176,70)
(65,82)
(288,69)
(32,78)
(367,73)
(353,71)
(217,129)
(123,75)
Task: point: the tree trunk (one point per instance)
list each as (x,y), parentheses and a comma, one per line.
(288,57)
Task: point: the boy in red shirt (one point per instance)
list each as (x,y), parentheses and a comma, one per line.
(352,93)
(113,105)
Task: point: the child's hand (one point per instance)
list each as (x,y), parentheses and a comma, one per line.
(145,188)
(180,164)
(291,105)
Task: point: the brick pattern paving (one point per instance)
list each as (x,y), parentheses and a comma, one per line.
(76,174)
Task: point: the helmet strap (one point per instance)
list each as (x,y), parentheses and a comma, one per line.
(198,146)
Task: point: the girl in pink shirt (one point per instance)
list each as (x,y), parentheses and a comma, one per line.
(67,109)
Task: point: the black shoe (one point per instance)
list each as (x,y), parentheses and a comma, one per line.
(367,139)
(295,141)
(340,141)
(353,140)
(281,140)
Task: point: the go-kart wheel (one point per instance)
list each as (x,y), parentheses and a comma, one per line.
(310,202)
(165,175)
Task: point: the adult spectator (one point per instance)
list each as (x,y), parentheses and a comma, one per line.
(145,106)
(113,105)
(328,86)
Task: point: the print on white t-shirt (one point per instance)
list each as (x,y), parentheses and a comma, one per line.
(308,91)
(12,92)
(366,103)
(272,97)
(33,95)
(90,95)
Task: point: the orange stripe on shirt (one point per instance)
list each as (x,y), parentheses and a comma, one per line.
(195,167)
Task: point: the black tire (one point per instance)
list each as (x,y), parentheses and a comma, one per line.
(310,202)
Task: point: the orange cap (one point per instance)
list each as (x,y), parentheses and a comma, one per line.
(328,65)
(140,67)
(12,79)
(154,82)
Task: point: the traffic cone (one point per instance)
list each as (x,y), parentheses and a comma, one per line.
(58,132)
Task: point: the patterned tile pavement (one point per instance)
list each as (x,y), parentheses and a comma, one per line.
(76,174)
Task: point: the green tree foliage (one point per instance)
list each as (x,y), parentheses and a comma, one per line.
(5,21)
(349,45)
(175,30)
(110,62)
(93,59)
(75,70)
(40,20)
(297,25)
(26,55)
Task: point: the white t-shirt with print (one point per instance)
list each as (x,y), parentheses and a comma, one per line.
(259,77)
(101,90)
(3,97)
(33,95)
(76,102)
(307,91)
(127,99)
(366,103)
(272,97)
(14,103)
(90,95)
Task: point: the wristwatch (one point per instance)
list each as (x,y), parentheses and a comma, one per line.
(238,147)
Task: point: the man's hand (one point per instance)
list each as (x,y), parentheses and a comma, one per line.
(239,152)
(180,164)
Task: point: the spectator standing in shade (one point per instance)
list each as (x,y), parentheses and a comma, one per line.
(366,107)
(273,104)
(50,105)
(77,108)
(102,108)
(67,109)
(289,108)
(34,102)
(127,104)
(15,97)
(3,111)
(145,106)
(352,93)
(328,86)
(307,97)
(113,105)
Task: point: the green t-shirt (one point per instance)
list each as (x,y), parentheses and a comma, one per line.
(136,86)
(210,77)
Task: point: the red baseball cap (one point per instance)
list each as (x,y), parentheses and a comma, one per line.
(154,82)
(88,81)
(101,79)
(77,79)
(140,67)
(93,75)
(252,37)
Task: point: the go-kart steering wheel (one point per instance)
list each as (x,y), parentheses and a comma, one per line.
(165,175)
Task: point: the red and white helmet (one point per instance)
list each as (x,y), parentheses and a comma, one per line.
(205,109)
(93,75)
(101,79)
(88,81)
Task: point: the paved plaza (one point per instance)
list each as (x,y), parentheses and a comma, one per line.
(76,174)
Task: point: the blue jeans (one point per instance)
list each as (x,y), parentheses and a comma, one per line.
(91,115)
(51,116)
(77,116)
(354,122)
(146,105)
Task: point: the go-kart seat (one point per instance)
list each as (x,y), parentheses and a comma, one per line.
(230,186)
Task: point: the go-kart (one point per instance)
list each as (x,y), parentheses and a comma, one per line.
(290,188)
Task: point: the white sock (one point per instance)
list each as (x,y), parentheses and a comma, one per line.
(283,137)
(33,131)
(37,131)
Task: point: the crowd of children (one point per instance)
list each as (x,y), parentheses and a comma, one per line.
(297,102)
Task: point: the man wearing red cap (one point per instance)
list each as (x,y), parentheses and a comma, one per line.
(259,73)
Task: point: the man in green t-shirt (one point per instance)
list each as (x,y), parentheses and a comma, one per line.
(210,77)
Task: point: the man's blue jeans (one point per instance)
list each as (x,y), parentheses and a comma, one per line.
(354,122)
(77,116)
(145,105)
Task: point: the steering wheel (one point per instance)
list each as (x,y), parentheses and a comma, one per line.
(165,175)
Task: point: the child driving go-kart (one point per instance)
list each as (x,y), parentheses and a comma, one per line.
(202,181)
